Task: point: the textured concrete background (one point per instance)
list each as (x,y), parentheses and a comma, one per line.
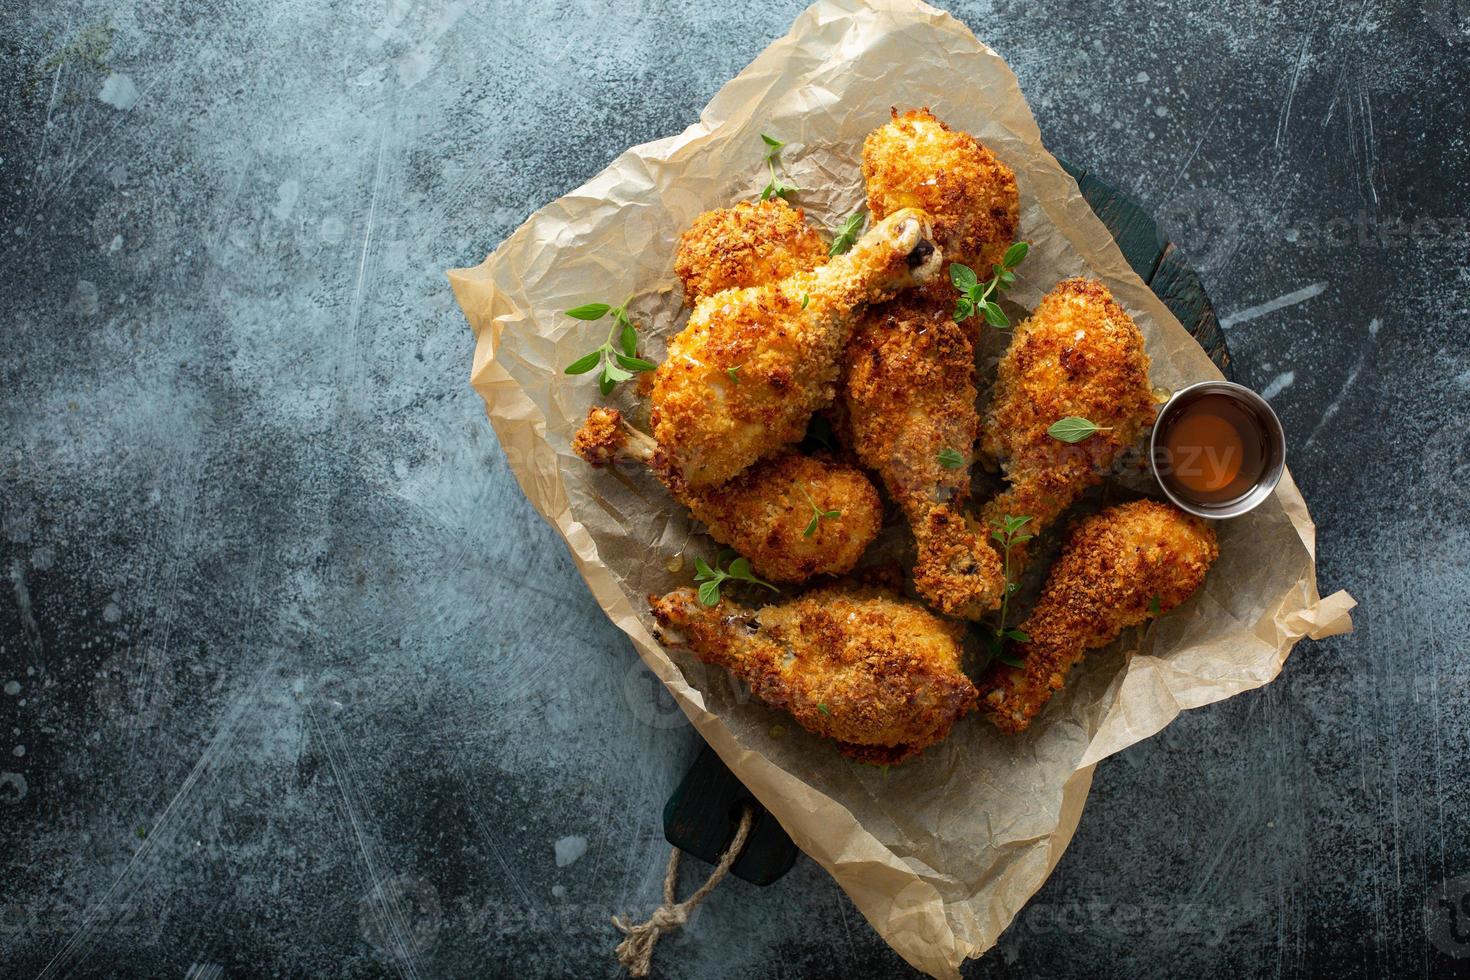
(296,682)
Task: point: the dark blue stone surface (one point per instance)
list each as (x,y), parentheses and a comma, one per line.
(295,682)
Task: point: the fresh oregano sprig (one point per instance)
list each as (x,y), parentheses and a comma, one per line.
(975,295)
(714,578)
(951,459)
(818,514)
(1008,532)
(620,362)
(1074,428)
(848,233)
(775,187)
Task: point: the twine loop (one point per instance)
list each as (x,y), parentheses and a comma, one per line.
(636,950)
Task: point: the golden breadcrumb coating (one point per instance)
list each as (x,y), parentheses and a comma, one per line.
(878,673)
(743,377)
(1079,354)
(764,512)
(750,244)
(602,438)
(1111,570)
(916,161)
(910,396)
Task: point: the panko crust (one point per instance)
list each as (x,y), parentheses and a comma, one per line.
(1112,568)
(916,161)
(746,373)
(750,244)
(1081,354)
(878,673)
(764,512)
(601,438)
(910,394)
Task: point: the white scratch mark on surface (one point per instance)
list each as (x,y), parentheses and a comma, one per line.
(1336,404)
(1271,306)
(1278,384)
(23,605)
(394,917)
(1284,123)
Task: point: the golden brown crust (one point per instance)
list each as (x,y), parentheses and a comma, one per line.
(744,376)
(1080,354)
(878,673)
(1112,568)
(764,512)
(750,244)
(910,395)
(601,438)
(956,569)
(916,161)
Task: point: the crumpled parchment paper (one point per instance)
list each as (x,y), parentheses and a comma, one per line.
(942,852)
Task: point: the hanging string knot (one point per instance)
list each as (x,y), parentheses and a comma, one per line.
(636,950)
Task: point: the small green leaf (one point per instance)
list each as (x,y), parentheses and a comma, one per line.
(951,459)
(1016,254)
(773,145)
(996,317)
(740,568)
(629,339)
(606,384)
(709,594)
(612,372)
(1073,428)
(589,311)
(848,233)
(702,570)
(734,373)
(963,277)
(635,363)
(1010,659)
(811,526)
(1015,523)
(1019,538)
(822,707)
(769,191)
(805,299)
(1153,606)
(585,363)
(1020,636)
(963,308)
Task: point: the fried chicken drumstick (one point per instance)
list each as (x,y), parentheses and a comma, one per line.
(1079,354)
(744,376)
(910,369)
(878,673)
(766,511)
(910,395)
(1113,568)
(916,161)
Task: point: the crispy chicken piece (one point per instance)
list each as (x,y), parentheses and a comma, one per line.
(916,161)
(1112,569)
(910,395)
(878,673)
(1080,354)
(764,512)
(744,376)
(750,244)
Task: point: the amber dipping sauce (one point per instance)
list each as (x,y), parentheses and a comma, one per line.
(1213,448)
